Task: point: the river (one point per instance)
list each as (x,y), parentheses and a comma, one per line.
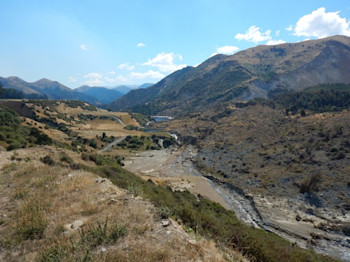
(174,167)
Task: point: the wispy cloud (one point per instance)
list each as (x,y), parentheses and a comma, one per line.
(93,75)
(289,28)
(140,45)
(72,79)
(83,47)
(321,24)
(148,74)
(165,62)
(93,79)
(126,66)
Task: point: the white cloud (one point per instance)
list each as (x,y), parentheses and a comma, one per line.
(227,50)
(94,82)
(165,62)
(275,42)
(93,79)
(321,24)
(289,28)
(72,79)
(118,79)
(140,45)
(93,75)
(277,32)
(126,66)
(148,74)
(83,47)
(254,35)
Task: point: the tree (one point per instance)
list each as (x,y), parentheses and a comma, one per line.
(2,91)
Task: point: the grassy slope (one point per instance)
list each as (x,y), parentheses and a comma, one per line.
(38,202)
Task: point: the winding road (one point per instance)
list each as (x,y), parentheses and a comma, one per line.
(116,140)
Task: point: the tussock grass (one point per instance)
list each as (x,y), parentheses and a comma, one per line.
(31,219)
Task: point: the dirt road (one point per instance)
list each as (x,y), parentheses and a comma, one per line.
(110,145)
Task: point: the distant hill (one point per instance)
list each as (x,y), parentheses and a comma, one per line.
(127,88)
(45,87)
(102,94)
(252,73)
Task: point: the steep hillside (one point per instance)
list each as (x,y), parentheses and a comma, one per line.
(248,74)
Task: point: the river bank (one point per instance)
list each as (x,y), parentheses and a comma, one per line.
(292,219)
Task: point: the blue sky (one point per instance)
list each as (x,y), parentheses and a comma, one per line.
(110,43)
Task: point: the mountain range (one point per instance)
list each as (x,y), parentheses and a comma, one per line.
(248,74)
(55,90)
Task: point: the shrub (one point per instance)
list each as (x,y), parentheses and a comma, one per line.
(102,234)
(311,184)
(65,158)
(31,220)
(47,160)
(346,229)
(93,144)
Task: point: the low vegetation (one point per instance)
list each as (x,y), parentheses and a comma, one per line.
(140,118)
(146,143)
(70,103)
(14,135)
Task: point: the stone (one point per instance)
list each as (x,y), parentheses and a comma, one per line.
(165,223)
(112,201)
(77,224)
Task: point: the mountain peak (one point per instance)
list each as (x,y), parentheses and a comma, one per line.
(245,75)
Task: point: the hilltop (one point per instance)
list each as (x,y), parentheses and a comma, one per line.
(248,74)
(44,88)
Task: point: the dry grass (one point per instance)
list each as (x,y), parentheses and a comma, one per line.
(37,202)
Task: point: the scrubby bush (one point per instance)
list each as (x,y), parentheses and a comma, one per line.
(47,160)
(310,184)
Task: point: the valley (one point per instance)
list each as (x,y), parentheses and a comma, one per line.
(84,139)
(291,218)
(245,157)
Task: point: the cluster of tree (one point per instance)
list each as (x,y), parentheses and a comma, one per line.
(14,135)
(10,93)
(318,99)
